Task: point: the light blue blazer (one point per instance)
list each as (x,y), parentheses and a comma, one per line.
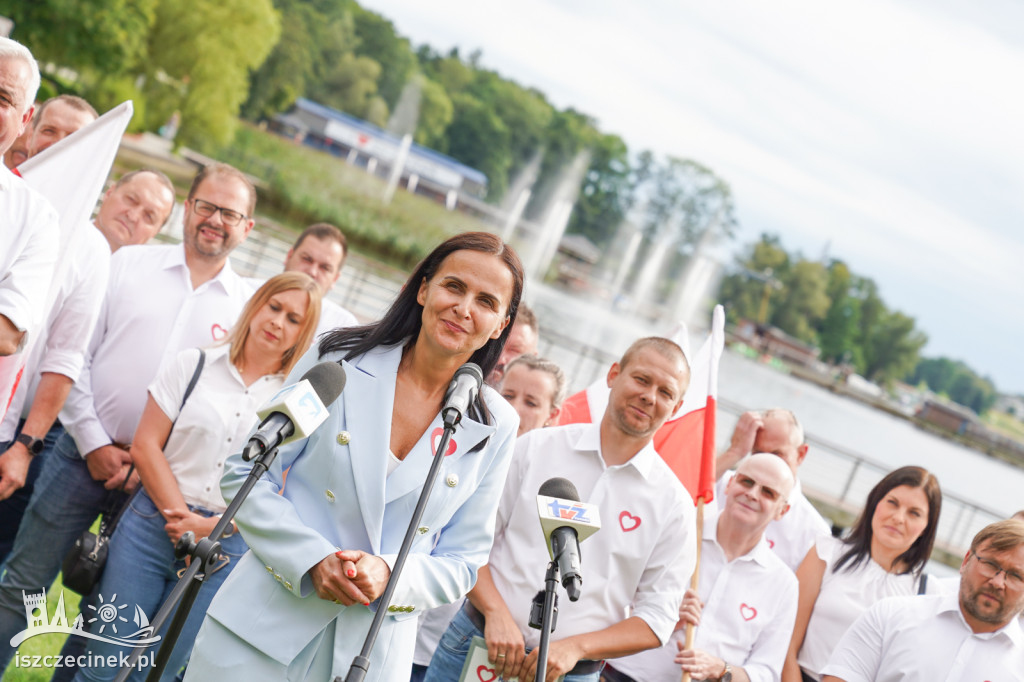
(338,496)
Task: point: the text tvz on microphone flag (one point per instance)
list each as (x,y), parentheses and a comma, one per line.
(687,440)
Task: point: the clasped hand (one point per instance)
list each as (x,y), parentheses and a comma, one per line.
(350,577)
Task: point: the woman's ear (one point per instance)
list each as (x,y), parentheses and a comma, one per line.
(501,328)
(422,293)
(553,416)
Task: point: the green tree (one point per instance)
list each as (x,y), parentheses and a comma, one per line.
(525,113)
(479,138)
(103,36)
(892,347)
(568,134)
(378,40)
(451,72)
(606,193)
(752,285)
(209,47)
(294,65)
(351,86)
(436,113)
(803,302)
(957,381)
(838,331)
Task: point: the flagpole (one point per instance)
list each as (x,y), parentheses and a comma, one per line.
(691,631)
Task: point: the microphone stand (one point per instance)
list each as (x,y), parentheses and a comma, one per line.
(361,663)
(547,623)
(203,554)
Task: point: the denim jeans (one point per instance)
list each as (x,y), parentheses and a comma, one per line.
(141,571)
(13,508)
(65,502)
(450,656)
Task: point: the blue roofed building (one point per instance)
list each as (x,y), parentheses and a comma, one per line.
(426,171)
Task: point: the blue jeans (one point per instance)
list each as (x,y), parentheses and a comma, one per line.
(13,508)
(141,571)
(65,503)
(450,656)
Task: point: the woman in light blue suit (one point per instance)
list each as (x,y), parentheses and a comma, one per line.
(299,604)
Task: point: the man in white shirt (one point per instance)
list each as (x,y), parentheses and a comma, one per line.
(778,432)
(320,252)
(160,300)
(747,599)
(973,635)
(132,212)
(641,559)
(57,118)
(28,224)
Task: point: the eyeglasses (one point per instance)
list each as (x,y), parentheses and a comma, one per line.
(206,209)
(990,569)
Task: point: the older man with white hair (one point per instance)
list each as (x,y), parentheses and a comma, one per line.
(746,604)
(28,238)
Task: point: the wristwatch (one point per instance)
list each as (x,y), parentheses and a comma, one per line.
(33,445)
(727,675)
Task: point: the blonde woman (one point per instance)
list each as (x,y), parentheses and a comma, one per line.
(535,387)
(179,452)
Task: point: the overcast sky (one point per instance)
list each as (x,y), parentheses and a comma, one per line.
(888,131)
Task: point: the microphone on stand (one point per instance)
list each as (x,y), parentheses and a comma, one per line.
(296,411)
(462,391)
(566,523)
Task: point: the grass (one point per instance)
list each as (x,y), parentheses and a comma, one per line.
(42,645)
(1009,426)
(304,185)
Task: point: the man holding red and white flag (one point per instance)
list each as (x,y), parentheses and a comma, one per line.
(640,560)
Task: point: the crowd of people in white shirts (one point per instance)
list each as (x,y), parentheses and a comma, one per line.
(116,406)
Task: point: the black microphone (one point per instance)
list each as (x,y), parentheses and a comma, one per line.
(297,410)
(563,519)
(462,391)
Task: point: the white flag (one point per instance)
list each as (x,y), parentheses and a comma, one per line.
(70,174)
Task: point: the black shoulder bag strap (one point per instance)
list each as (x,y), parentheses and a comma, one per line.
(108,529)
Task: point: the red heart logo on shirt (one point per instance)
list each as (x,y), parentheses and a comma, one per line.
(628,522)
(435,440)
(748,612)
(218,332)
(771,544)
(484,669)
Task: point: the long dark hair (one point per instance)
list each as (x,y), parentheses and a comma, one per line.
(404,318)
(917,555)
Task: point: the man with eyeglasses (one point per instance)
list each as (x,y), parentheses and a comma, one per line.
(746,605)
(973,635)
(160,299)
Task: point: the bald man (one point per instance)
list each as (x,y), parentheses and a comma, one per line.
(777,431)
(747,600)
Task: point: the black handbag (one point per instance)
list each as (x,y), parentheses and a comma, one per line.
(83,564)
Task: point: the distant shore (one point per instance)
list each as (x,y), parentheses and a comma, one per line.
(981,439)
